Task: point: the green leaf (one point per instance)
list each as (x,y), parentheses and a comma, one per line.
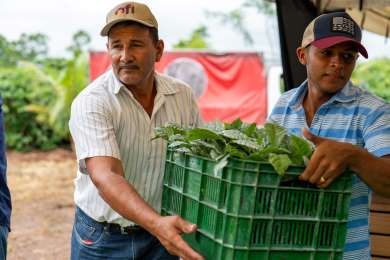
(274,134)
(280,162)
(167,131)
(263,154)
(234,134)
(204,149)
(202,133)
(300,149)
(176,137)
(235,152)
(248,144)
(216,126)
(257,156)
(249,129)
(236,124)
(183,150)
(177,144)
(270,143)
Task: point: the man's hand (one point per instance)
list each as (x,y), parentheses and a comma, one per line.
(329,160)
(168,230)
(107,174)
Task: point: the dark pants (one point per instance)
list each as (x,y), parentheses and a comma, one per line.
(3,242)
(96,240)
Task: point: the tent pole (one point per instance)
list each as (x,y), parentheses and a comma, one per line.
(360,5)
(293,17)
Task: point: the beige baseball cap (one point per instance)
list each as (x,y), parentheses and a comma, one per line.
(129,11)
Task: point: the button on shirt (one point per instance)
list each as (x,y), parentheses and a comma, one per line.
(106,120)
(355,116)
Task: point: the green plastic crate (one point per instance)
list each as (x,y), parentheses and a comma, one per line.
(247,211)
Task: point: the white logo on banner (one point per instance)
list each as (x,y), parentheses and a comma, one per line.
(191,72)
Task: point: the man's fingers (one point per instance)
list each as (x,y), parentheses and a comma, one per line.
(182,246)
(327,182)
(315,178)
(185,226)
(187,251)
(311,167)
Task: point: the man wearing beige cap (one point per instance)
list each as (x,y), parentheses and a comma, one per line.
(118,187)
(349,126)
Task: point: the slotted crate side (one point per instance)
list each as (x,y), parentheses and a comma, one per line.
(248,211)
(212,249)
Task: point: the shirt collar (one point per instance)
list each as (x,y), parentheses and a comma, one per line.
(346,94)
(163,87)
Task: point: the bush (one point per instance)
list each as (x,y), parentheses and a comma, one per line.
(20,88)
(374,76)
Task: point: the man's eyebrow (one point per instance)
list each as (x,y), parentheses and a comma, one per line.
(136,40)
(132,40)
(114,41)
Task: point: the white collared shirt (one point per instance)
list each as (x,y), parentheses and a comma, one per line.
(106,120)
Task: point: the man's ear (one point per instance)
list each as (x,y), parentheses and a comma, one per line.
(108,44)
(160,49)
(301,54)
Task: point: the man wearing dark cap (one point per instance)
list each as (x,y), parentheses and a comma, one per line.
(118,187)
(349,126)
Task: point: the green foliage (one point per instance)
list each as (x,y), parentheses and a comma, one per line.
(236,17)
(68,84)
(71,81)
(81,40)
(240,140)
(38,94)
(197,40)
(73,78)
(20,88)
(53,66)
(29,47)
(374,76)
(261,6)
(8,55)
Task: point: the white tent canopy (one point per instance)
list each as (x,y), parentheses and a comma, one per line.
(372,15)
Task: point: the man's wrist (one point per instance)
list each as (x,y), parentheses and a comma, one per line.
(152,223)
(358,157)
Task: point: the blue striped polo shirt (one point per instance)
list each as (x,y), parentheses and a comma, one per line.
(352,115)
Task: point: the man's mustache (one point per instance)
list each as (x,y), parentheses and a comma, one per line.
(128,66)
(340,73)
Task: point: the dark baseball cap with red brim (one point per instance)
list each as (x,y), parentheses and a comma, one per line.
(333,28)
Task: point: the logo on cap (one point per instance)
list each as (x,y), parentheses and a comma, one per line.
(343,24)
(125,10)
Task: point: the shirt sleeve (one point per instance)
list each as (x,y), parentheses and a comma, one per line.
(376,133)
(196,119)
(92,129)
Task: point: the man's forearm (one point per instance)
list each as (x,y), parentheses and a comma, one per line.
(374,171)
(125,200)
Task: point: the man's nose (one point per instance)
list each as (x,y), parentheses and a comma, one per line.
(337,60)
(126,55)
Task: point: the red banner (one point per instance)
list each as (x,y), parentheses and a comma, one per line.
(228,85)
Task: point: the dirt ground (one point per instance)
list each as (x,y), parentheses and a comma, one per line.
(41,185)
